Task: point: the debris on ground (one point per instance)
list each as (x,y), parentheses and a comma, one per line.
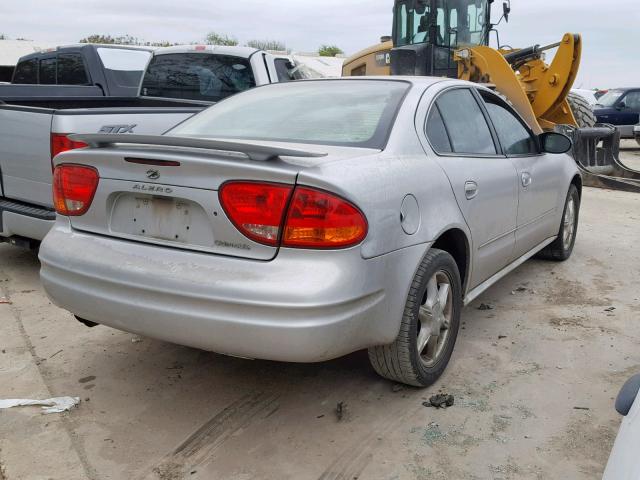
(4,301)
(486,306)
(397,388)
(610,309)
(519,290)
(442,400)
(136,340)
(581,408)
(49,405)
(341,410)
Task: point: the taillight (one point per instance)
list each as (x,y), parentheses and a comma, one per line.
(73,188)
(317,219)
(60,142)
(256,209)
(308,218)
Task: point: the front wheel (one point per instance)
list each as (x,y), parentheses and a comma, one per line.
(562,247)
(429,325)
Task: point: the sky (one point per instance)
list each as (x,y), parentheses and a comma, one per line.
(611,35)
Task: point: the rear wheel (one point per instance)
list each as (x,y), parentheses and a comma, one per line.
(562,247)
(429,326)
(582,110)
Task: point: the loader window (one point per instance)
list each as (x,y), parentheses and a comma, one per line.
(513,135)
(412,20)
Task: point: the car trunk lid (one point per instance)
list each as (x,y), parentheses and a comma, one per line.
(168,194)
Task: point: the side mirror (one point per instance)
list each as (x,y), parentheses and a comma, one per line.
(621,106)
(553,142)
(506,10)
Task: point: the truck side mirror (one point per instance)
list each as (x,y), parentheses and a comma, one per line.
(506,10)
(621,106)
(553,142)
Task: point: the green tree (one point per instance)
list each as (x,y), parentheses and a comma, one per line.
(214,38)
(3,37)
(267,45)
(329,51)
(109,40)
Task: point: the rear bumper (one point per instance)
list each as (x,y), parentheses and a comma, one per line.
(304,306)
(24,220)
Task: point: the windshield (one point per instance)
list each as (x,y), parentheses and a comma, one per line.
(355,113)
(610,98)
(197,76)
(444,22)
(125,66)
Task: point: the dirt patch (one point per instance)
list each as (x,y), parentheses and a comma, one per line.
(569,292)
(587,440)
(568,323)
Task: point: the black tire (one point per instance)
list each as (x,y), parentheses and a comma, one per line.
(401,361)
(559,250)
(582,110)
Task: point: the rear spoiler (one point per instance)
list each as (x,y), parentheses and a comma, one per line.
(254,150)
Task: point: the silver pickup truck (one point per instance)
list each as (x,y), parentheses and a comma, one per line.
(178,83)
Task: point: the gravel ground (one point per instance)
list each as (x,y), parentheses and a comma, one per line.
(154,410)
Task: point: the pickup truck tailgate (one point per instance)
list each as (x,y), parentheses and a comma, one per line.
(24,136)
(168,196)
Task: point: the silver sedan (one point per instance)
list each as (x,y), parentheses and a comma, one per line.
(304,221)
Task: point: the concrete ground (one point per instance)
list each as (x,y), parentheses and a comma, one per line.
(534,381)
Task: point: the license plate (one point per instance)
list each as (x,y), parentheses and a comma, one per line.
(163,218)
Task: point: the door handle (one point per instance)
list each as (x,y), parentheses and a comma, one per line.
(470,190)
(526,179)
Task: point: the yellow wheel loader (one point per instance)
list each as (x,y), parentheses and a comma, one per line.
(450,38)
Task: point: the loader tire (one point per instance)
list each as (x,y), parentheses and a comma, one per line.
(582,110)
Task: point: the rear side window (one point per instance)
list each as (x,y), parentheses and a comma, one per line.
(197,76)
(468,130)
(514,137)
(47,71)
(26,72)
(282,67)
(437,133)
(71,70)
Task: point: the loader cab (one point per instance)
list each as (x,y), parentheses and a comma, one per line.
(427,32)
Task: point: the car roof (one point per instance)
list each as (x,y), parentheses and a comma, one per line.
(243,52)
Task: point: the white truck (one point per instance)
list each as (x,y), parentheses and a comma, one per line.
(178,83)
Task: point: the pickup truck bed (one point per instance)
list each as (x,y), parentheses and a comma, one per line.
(27,126)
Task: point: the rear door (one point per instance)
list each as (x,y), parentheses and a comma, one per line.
(539,181)
(484,181)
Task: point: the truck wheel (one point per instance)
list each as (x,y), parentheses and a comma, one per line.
(429,326)
(582,110)
(562,247)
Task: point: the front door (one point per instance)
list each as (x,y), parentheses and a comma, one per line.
(538,180)
(484,182)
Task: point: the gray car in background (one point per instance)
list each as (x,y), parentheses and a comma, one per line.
(301,222)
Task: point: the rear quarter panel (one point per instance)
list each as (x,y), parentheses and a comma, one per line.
(378,185)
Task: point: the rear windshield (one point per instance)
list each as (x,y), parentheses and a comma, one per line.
(197,76)
(333,112)
(125,67)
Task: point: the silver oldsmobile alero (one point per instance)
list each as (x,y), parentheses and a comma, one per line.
(300,222)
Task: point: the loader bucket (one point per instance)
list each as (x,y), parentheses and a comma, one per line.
(596,150)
